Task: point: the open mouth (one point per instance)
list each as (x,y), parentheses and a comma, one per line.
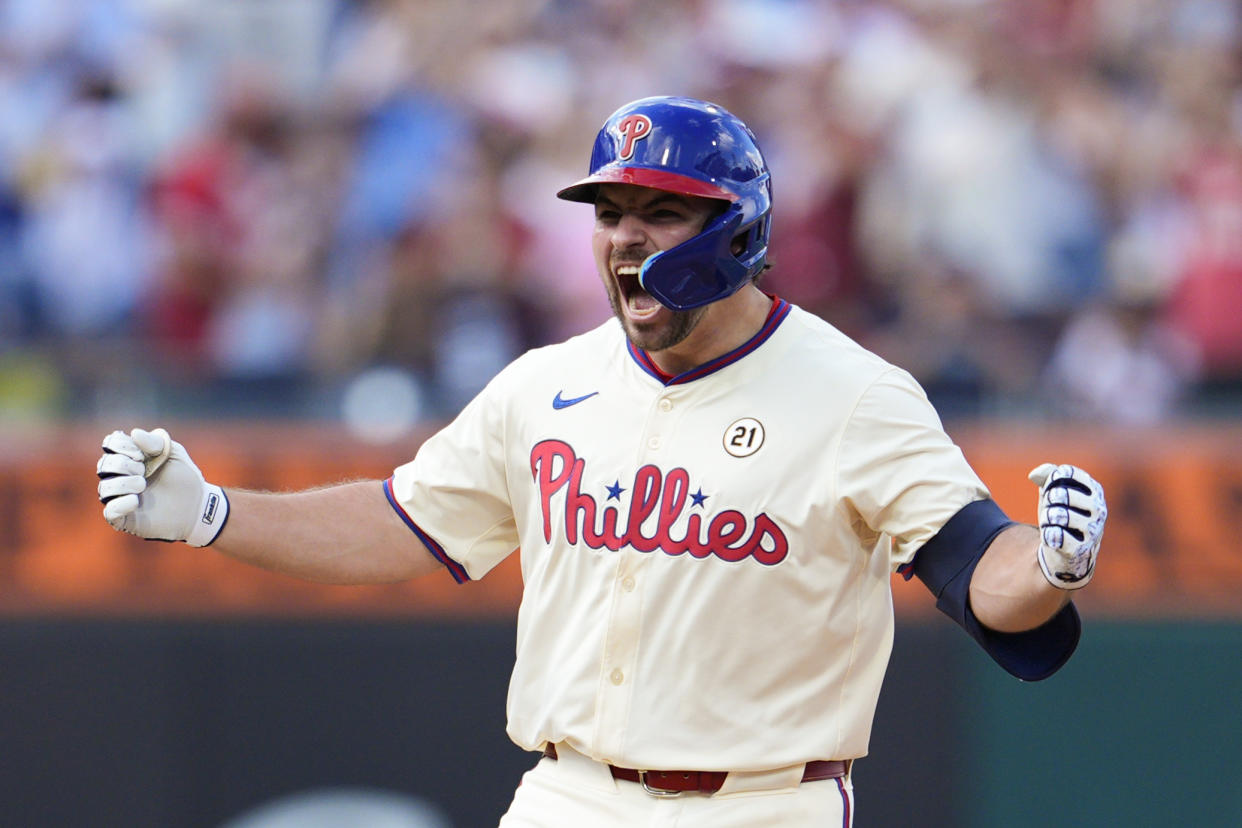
(638,303)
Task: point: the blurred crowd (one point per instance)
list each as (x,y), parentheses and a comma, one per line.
(335,208)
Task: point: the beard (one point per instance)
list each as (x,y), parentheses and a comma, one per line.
(667,330)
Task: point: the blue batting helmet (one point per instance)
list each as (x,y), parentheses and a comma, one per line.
(692,147)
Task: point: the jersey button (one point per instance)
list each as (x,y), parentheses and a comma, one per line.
(628,584)
(653,443)
(617,677)
(666,405)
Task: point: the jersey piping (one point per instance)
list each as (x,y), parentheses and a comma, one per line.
(455,569)
(779,310)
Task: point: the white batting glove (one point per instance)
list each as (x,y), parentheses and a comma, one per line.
(1071,523)
(151,488)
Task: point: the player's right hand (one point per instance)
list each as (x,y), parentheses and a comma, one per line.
(151,488)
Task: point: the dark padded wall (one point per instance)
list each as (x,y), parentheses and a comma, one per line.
(191,723)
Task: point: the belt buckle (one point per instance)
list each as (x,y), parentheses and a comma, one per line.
(660,792)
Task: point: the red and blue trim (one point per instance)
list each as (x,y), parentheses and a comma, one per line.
(776,315)
(847,818)
(455,569)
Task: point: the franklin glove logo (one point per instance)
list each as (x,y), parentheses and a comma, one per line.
(209,512)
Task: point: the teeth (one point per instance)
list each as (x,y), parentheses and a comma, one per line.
(628,270)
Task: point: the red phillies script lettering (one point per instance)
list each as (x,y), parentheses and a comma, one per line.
(633,128)
(728,535)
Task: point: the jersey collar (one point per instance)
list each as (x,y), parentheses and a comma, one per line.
(776,314)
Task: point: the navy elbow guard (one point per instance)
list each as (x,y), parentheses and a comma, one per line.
(946,564)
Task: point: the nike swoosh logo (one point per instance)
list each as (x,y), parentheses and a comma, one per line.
(559,402)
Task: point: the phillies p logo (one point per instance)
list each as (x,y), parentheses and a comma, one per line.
(633,128)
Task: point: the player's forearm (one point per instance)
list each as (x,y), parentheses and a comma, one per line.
(345,534)
(1008,592)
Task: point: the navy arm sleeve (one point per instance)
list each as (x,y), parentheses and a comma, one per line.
(946,563)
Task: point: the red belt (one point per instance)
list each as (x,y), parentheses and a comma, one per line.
(671,783)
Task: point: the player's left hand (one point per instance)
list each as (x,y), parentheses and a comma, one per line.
(1072,512)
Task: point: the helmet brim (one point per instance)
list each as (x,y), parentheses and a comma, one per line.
(587,189)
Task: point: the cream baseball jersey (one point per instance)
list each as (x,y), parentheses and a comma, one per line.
(706,558)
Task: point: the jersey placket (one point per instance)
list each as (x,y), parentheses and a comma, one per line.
(624,631)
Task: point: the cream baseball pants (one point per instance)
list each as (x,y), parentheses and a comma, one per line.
(573,791)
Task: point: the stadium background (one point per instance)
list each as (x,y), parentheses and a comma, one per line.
(301,233)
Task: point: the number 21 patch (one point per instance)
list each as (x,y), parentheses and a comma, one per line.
(743,437)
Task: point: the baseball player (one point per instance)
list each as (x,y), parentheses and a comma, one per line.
(709,493)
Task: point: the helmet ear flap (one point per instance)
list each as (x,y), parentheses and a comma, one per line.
(749,237)
(754,248)
(700,270)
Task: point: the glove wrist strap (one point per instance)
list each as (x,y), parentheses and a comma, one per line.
(1061,580)
(213,513)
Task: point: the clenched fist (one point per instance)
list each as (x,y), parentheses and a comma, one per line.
(151,488)
(1072,512)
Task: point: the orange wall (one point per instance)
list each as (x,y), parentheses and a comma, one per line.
(1175,500)
(1171,545)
